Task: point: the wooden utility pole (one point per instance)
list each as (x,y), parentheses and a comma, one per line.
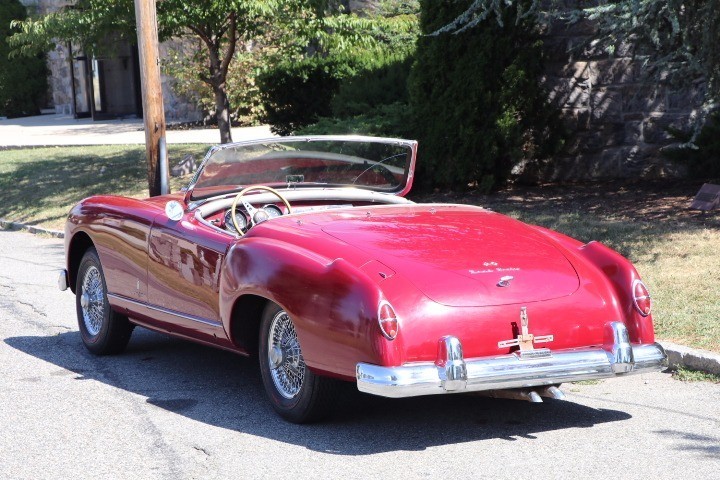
(153,109)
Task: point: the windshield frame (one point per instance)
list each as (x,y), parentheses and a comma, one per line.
(402,190)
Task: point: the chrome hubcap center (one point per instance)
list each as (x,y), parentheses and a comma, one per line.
(84,300)
(276,356)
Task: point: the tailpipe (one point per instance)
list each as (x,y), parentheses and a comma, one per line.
(515,394)
(529,395)
(551,392)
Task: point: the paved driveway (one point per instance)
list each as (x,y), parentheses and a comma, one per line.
(168,409)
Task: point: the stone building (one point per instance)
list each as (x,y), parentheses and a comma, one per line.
(103,87)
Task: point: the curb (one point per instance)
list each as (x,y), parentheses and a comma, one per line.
(678,355)
(8,225)
(695,359)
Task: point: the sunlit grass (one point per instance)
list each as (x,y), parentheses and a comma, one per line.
(39,185)
(688,375)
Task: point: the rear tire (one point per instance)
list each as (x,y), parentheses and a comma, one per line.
(296,394)
(103,331)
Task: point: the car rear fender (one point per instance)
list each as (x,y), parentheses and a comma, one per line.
(333,304)
(621,274)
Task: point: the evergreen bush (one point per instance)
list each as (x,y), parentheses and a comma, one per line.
(475,97)
(381,79)
(335,90)
(23,81)
(390,120)
(296,94)
(701,155)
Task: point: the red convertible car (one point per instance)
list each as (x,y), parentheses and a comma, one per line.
(304,252)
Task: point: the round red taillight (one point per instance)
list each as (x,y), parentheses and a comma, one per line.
(387,319)
(641,298)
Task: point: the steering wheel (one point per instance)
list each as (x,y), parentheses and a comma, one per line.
(256,215)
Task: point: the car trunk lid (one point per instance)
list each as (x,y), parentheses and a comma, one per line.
(461,256)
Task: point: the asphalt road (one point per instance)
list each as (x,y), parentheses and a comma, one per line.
(172,410)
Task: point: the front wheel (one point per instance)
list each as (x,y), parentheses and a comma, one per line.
(296,393)
(103,331)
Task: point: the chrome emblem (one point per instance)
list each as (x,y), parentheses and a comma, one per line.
(525,339)
(505,281)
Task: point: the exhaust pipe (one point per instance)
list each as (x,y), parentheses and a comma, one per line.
(515,394)
(529,395)
(552,392)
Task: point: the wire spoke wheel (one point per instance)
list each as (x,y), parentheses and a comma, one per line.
(294,391)
(103,330)
(92,301)
(287,366)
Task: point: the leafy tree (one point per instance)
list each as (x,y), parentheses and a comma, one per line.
(221,25)
(362,90)
(187,62)
(23,84)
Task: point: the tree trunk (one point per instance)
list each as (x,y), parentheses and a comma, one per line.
(222,113)
(219,64)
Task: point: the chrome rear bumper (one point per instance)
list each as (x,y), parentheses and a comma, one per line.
(452,374)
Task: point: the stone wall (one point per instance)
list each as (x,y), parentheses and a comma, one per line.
(617,116)
(60,88)
(177,107)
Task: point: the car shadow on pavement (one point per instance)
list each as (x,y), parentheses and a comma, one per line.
(223,389)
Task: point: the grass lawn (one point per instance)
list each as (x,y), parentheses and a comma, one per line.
(676,251)
(40,185)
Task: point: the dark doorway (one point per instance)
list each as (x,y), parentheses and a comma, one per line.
(113,83)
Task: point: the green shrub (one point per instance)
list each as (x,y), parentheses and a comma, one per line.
(702,157)
(357,88)
(358,91)
(391,120)
(477,104)
(23,81)
(381,79)
(296,94)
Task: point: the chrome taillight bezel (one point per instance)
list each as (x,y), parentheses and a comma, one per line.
(385,333)
(636,298)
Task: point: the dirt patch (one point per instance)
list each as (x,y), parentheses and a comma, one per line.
(647,201)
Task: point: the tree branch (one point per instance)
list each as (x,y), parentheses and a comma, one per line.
(232,44)
(200,33)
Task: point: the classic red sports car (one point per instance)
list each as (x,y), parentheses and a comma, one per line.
(304,251)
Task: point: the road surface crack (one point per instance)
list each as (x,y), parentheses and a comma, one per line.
(32,307)
(200,449)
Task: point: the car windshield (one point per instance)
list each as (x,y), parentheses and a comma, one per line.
(294,162)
